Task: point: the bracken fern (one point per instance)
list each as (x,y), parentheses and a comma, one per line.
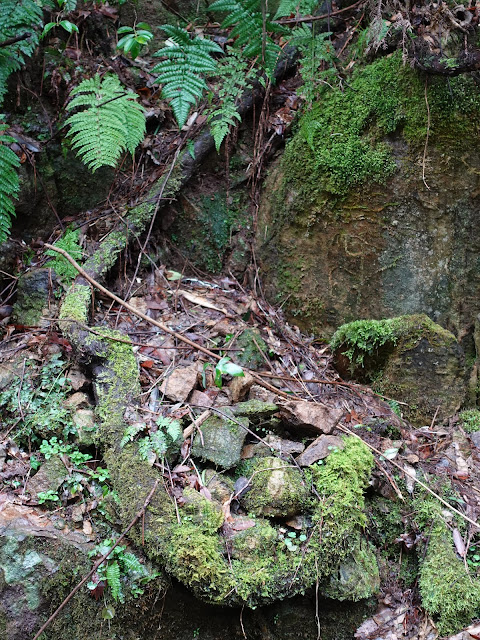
(9,164)
(250,30)
(111,122)
(17,17)
(187,61)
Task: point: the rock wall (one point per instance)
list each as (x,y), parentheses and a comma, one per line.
(336,245)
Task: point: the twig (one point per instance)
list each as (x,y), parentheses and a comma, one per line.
(14,40)
(155,323)
(97,564)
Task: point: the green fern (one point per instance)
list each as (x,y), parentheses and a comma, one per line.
(171,427)
(130,432)
(295,7)
(182,71)
(234,75)
(17,17)
(132,565)
(250,32)
(9,163)
(317,51)
(111,122)
(113,580)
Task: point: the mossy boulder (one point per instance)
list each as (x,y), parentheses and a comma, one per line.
(34,293)
(221,439)
(408,358)
(277,490)
(357,576)
(348,229)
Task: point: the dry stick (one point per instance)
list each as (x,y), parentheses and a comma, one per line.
(97,564)
(155,323)
(410,475)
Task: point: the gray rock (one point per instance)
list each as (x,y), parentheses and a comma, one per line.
(221,439)
(33,295)
(319,449)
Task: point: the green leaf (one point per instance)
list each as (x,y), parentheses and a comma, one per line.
(68,26)
(124,30)
(108,612)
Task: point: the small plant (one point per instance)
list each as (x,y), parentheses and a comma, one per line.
(122,572)
(69,243)
(470,420)
(362,337)
(134,38)
(290,539)
(9,185)
(222,368)
(47,496)
(156,445)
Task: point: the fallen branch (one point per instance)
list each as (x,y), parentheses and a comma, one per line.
(158,324)
(97,564)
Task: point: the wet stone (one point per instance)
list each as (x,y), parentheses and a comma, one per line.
(221,440)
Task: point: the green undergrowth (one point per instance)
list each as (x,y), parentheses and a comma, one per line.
(470,420)
(341,140)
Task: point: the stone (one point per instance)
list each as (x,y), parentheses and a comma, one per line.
(201,400)
(77,379)
(277,489)
(311,418)
(255,409)
(283,447)
(219,486)
(240,386)
(51,475)
(221,439)
(179,384)
(252,347)
(34,292)
(357,577)
(319,449)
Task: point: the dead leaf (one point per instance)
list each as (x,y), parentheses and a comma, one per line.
(203,302)
(459,544)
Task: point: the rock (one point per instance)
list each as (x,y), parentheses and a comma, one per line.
(84,421)
(219,486)
(260,393)
(51,475)
(77,379)
(78,400)
(475,438)
(256,410)
(409,358)
(319,449)
(358,576)
(179,384)
(277,489)
(34,292)
(283,447)
(311,418)
(240,386)
(201,399)
(252,346)
(221,439)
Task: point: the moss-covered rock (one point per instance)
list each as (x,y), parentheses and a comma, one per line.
(347,228)
(277,489)
(358,575)
(35,291)
(409,358)
(221,439)
(252,347)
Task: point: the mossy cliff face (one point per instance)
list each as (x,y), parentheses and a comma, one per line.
(347,227)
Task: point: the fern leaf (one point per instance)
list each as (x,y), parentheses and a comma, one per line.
(145,449)
(295,7)
(130,432)
(131,564)
(111,122)
(159,443)
(186,61)
(9,163)
(317,61)
(113,579)
(17,17)
(245,16)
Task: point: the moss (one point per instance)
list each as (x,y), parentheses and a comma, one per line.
(470,420)
(340,144)
(276,489)
(448,592)
(76,304)
(205,514)
(252,346)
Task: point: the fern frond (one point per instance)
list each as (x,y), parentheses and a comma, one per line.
(131,564)
(295,7)
(113,579)
(245,16)
(170,426)
(69,242)
(317,61)
(159,443)
(234,76)
(111,122)
(130,432)
(145,448)
(186,61)
(16,18)
(9,163)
